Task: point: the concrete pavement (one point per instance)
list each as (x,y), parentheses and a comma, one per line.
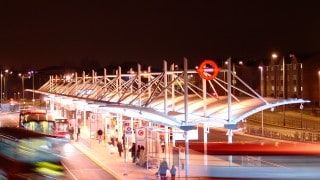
(112,163)
(123,169)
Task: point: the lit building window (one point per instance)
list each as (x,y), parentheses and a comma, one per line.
(294,77)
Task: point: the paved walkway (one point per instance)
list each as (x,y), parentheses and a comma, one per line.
(112,163)
(125,169)
(121,169)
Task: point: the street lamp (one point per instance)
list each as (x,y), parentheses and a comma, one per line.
(275,56)
(5,82)
(234,81)
(32,74)
(22,84)
(1,88)
(284,78)
(301,107)
(319,86)
(262,92)
(261,81)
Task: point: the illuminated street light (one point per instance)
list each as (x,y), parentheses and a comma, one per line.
(319,86)
(234,81)
(22,84)
(32,74)
(1,88)
(261,81)
(5,82)
(274,56)
(262,92)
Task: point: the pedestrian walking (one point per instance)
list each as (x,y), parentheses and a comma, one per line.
(124,141)
(163,145)
(138,151)
(99,133)
(142,157)
(71,131)
(173,172)
(182,157)
(163,169)
(119,145)
(78,133)
(133,152)
(113,141)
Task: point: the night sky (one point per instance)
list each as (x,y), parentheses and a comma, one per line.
(36,34)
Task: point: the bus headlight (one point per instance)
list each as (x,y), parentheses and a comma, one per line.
(50,169)
(67,136)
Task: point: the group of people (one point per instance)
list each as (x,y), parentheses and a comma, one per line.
(162,172)
(71,132)
(114,142)
(138,155)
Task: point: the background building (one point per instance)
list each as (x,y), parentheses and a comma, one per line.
(292,77)
(283,79)
(311,76)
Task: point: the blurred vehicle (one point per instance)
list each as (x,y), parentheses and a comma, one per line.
(42,122)
(26,154)
(14,106)
(278,160)
(276,149)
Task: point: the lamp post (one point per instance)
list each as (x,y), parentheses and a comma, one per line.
(234,81)
(301,107)
(1,88)
(262,92)
(319,86)
(5,82)
(284,78)
(22,84)
(284,90)
(32,74)
(275,56)
(261,81)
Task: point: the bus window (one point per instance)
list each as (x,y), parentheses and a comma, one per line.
(62,127)
(50,128)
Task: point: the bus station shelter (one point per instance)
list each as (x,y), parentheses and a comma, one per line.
(170,104)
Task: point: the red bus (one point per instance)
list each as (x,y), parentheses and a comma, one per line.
(42,122)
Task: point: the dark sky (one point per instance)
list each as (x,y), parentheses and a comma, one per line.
(42,33)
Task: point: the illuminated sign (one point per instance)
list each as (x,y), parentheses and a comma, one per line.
(208,70)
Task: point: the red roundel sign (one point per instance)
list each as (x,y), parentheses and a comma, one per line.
(140,132)
(208,70)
